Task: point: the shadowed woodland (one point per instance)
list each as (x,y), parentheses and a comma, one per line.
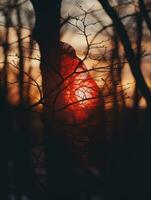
(75,120)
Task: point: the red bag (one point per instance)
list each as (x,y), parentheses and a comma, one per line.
(79,93)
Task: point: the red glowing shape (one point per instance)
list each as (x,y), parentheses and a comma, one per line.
(79,94)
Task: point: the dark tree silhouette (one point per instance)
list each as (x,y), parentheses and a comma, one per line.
(77,138)
(130,54)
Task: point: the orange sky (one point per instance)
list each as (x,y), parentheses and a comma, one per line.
(70,35)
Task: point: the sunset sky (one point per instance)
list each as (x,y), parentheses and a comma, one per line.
(71,35)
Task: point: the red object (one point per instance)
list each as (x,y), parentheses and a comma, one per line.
(79,94)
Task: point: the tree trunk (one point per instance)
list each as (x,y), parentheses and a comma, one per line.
(130,55)
(47,34)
